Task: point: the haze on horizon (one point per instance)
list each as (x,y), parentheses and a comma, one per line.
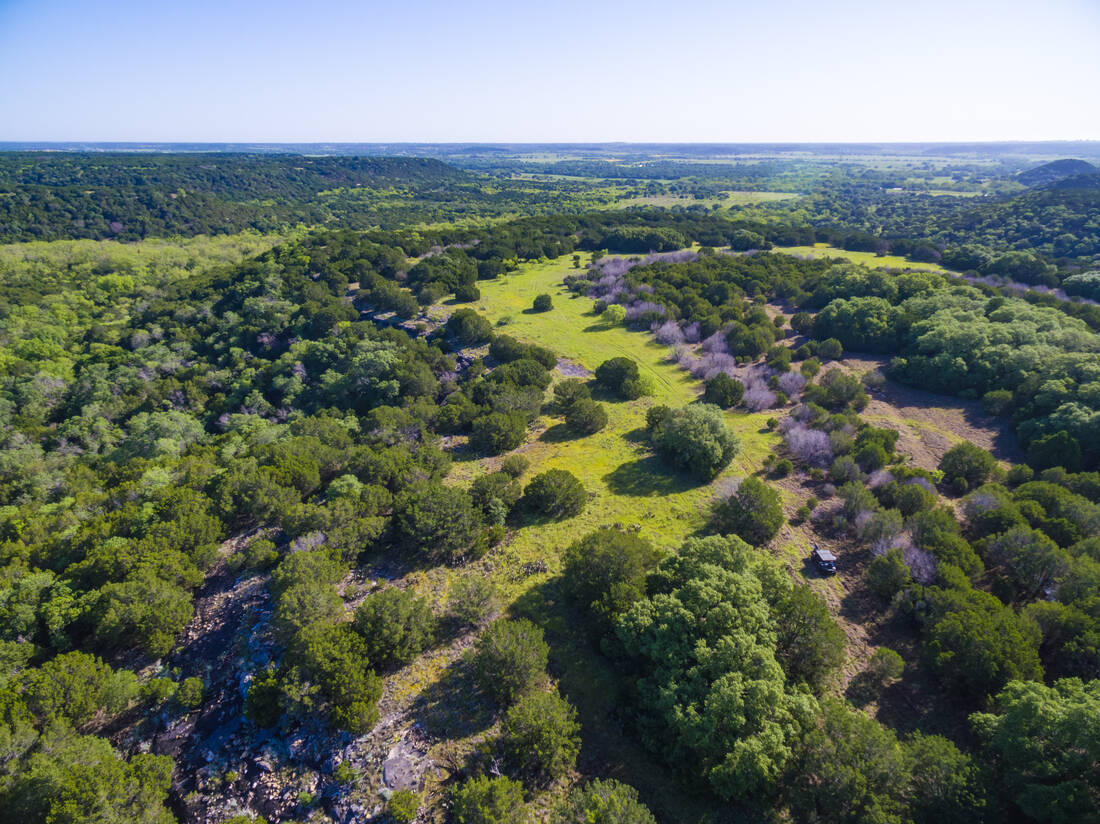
(490,71)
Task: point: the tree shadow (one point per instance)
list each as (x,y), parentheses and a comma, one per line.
(559,433)
(647,477)
(637,435)
(454,706)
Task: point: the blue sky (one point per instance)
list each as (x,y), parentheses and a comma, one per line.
(483,70)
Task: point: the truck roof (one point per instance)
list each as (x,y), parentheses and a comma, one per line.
(825,555)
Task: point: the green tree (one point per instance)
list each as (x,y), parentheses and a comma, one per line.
(497,432)
(540,736)
(1044,745)
(753,513)
(469,327)
(723,391)
(696,439)
(509,659)
(586,416)
(439,522)
(851,769)
(602,802)
(888,574)
(966,466)
(605,572)
(945,786)
(75,686)
(395,625)
(809,643)
(484,800)
(555,493)
(542,303)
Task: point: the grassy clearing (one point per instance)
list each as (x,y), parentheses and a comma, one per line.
(821,250)
(733,198)
(626,483)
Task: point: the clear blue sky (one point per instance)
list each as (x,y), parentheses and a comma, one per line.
(484,70)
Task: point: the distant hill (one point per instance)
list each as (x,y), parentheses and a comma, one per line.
(1054,171)
(1091,180)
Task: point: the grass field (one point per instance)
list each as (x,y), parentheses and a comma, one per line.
(734,199)
(626,483)
(820,250)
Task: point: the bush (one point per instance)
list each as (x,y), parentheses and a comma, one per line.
(495,494)
(469,327)
(966,466)
(497,432)
(723,391)
(569,391)
(439,522)
(395,625)
(556,493)
(472,599)
(515,465)
(484,800)
(510,659)
(753,513)
(696,438)
(888,574)
(885,666)
(614,314)
(655,416)
(586,416)
(467,293)
(403,806)
(543,303)
(617,375)
(602,802)
(540,736)
(189,693)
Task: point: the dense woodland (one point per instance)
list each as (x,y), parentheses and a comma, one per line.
(289,411)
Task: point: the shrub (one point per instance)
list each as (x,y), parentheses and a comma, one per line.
(586,416)
(888,574)
(885,666)
(469,327)
(467,293)
(614,373)
(542,303)
(495,494)
(696,438)
(510,659)
(723,391)
(497,432)
(403,806)
(514,465)
(484,800)
(569,391)
(189,693)
(967,463)
(615,314)
(602,802)
(556,493)
(395,625)
(655,416)
(472,599)
(753,513)
(540,736)
(439,522)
